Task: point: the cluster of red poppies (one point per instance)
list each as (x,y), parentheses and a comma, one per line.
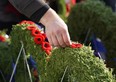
(76,45)
(39,37)
(2,38)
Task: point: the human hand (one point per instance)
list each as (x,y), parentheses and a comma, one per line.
(56,29)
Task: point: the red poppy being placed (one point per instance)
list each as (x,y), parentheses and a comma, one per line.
(76,45)
(39,39)
(36,32)
(31,27)
(2,39)
(27,22)
(46,47)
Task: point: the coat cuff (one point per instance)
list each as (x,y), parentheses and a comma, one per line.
(39,13)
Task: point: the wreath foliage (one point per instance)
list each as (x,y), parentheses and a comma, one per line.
(92,17)
(70,64)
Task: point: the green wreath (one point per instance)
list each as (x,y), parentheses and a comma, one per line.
(94,17)
(75,63)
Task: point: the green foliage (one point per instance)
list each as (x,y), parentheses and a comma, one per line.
(20,33)
(62,9)
(5,58)
(81,64)
(94,16)
(77,65)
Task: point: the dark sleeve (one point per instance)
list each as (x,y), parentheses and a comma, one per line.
(33,9)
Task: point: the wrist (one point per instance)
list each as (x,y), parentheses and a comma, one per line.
(49,17)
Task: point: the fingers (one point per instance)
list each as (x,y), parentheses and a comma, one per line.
(59,39)
(66,38)
(55,41)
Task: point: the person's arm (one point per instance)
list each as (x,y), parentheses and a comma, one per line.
(39,11)
(33,9)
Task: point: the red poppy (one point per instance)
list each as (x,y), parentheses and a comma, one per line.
(44,34)
(76,45)
(27,22)
(39,39)
(31,27)
(2,39)
(46,46)
(36,32)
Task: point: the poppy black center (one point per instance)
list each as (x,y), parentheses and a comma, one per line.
(46,45)
(36,32)
(39,39)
